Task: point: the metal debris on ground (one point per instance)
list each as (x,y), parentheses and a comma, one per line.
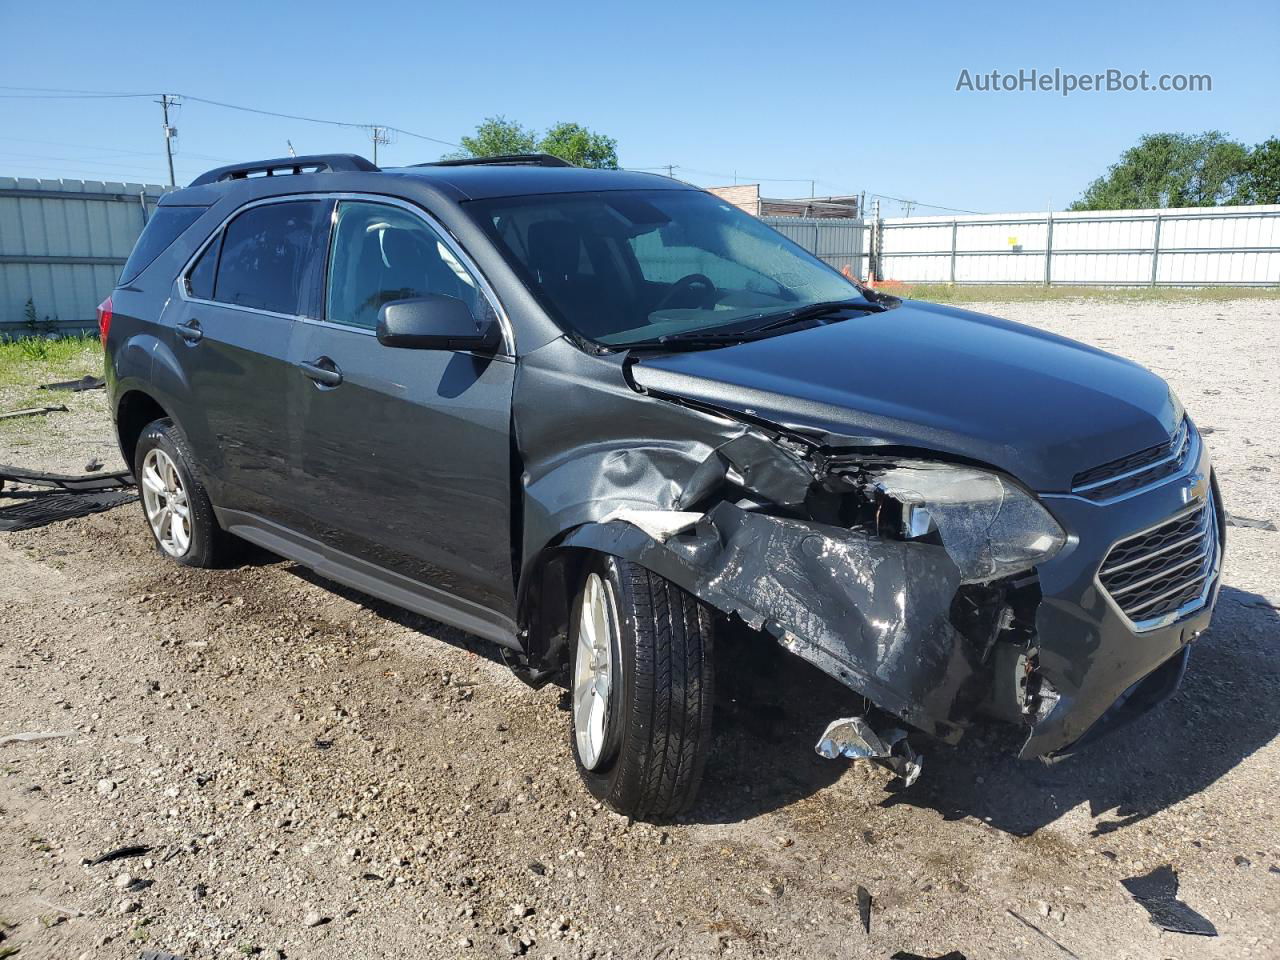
(93,466)
(122,853)
(1235,521)
(30,737)
(1157,893)
(87,382)
(1031,926)
(83,483)
(864,907)
(49,507)
(854,737)
(34,411)
(904,955)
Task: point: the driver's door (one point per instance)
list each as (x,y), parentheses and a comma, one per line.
(404,457)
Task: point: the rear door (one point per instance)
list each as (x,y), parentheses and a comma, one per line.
(232,334)
(404,455)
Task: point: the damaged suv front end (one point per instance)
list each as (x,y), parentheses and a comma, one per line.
(953,515)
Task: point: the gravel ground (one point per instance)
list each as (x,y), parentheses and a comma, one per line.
(317,775)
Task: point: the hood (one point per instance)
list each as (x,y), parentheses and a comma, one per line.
(1038,406)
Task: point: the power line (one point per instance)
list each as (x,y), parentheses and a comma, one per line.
(379,133)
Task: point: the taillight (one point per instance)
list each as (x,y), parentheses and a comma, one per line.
(104,320)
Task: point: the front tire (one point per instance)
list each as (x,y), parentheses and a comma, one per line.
(641,689)
(175,502)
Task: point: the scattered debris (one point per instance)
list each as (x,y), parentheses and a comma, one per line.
(904,955)
(34,411)
(58,908)
(121,853)
(1157,892)
(48,508)
(112,480)
(864,907)
(1235,521)
(314,919)
(31,737)
(87,382)
(93,466)
(1031,926)
(855,738)
(159,955)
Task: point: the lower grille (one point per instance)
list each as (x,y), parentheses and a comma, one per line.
(1156,573)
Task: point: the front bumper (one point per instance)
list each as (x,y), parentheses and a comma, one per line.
(1091,653)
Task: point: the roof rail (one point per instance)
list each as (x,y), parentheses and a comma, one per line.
(511,159)
(315,163)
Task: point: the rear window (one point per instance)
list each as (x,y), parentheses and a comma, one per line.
(164,227)
(265,253)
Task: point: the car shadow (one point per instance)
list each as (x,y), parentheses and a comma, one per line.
(1225,710)
(400,616)
(771,708)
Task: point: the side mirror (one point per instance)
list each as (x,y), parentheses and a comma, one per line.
(434,322)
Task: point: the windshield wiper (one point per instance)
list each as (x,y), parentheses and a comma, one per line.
(697,339)
(812,310)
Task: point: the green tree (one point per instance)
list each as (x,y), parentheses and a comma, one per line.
(580,146)
(1170,170)
(1261,180)
(496,137)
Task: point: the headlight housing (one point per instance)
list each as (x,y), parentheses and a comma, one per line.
(990,527)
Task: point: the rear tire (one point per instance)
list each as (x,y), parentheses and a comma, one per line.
(643,750)
(175,503)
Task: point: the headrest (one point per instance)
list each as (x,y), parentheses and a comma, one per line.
(555,248)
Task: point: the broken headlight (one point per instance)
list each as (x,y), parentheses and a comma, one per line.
(990,527)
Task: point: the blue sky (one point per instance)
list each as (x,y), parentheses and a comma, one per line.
(852,95)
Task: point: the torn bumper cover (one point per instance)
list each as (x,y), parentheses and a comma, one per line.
(873,614)
(878,614)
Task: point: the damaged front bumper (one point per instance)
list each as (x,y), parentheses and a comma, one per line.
(894,620)
(1107,667)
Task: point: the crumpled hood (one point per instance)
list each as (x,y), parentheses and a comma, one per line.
(1034,404)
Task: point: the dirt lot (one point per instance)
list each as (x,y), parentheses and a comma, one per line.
(318,775)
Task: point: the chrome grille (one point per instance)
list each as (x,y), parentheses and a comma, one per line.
(1157,573)
(1135,471)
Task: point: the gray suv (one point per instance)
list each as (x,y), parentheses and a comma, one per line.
(594,416)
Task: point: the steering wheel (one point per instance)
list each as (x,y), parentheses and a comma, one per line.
(686,284)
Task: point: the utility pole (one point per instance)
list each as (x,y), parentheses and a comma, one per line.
(671,171)
(169,132)
(378,135)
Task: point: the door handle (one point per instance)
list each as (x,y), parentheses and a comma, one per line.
(190,331)
(322,370)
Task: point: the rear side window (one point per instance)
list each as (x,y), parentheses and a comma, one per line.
(164,227)
(265,254)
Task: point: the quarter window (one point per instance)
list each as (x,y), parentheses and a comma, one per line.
(264,258)
(383,253)
(200,278)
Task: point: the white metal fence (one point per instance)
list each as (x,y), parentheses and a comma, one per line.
(62,244)
(840,242)
(1188,246)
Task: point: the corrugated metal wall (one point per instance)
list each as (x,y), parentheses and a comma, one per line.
(1190,246)
(62,244)
(840,242)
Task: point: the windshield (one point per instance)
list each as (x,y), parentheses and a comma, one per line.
(625,267)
